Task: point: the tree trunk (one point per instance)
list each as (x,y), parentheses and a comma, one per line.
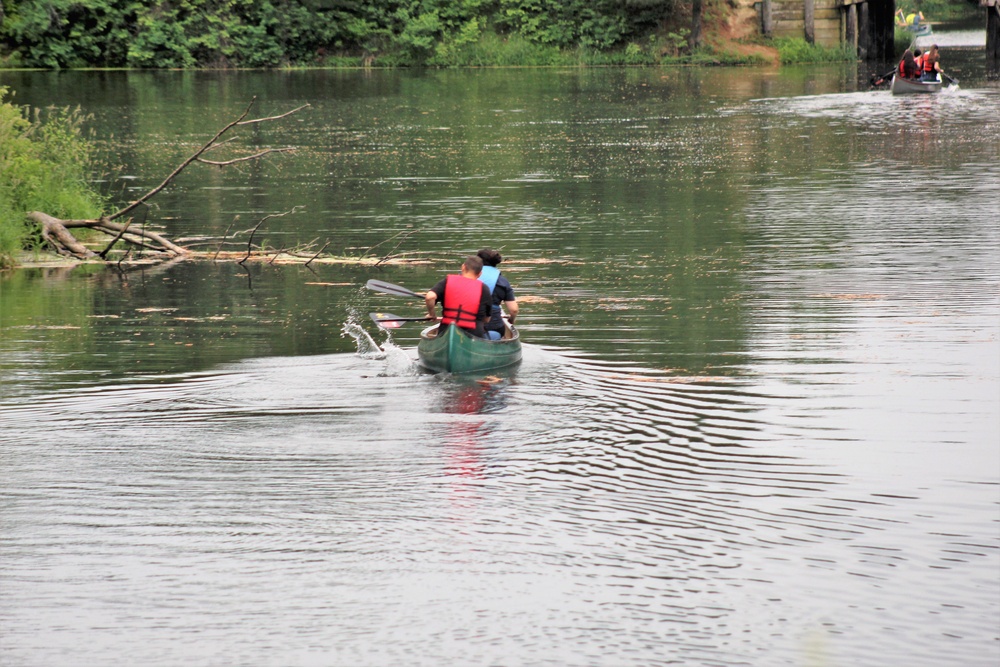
(56,235)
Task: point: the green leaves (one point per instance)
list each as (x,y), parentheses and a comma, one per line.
(268,33)
(44,166)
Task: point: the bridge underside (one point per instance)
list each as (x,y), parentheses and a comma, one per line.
(867,24)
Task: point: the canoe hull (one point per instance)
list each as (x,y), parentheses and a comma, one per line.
(458,352)
(902,86)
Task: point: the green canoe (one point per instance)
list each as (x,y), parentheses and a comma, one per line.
(458,352)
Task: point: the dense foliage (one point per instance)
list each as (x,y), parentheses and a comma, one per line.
(268,33)
(44,166)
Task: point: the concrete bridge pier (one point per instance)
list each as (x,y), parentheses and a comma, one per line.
(992,31)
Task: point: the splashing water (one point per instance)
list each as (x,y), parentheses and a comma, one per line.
(367,347)
(397,360)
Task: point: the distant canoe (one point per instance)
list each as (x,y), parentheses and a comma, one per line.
(457,352)
(902,86)
(919,30)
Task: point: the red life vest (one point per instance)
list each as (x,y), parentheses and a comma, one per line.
(928,64)
(461,301)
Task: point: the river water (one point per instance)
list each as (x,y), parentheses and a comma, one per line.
(757,421)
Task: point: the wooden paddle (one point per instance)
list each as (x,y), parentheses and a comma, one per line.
(389,288)
(390,321)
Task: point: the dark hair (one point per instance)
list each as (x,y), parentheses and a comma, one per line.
(489,256)
(473,263)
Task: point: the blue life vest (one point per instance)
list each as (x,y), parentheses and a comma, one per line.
(489,277)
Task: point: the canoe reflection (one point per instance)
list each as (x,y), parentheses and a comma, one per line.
(467,435)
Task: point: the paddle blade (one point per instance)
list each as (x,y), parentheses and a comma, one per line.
(390,321)
(389,288)
(387,320)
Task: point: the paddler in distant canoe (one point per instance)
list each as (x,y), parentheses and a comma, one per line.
(911,20)
(465,301)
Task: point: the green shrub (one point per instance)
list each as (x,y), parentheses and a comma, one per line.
(798,50)
(44,165)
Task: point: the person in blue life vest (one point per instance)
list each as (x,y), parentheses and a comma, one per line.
(501,291)
(465,301)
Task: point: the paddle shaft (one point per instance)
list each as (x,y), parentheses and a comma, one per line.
(880,79)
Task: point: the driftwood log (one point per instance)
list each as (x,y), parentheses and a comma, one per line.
(56,233)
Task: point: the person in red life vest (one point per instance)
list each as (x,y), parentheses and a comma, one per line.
(919,59)
(502,293)
(908,66)
(465,301)
(931,68)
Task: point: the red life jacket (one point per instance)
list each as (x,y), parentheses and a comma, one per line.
(461,301)
(928,64)
(902,70)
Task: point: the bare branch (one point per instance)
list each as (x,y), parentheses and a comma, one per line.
(127,253)
(183,165)
(318,254)
(197,154)
(262,120)
(389,254)
(276,255)
(223,240)
(105,224)
(262,221)
(104,253)
(218,144)
(247,158)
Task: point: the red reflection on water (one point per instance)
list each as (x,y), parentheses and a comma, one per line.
(464,440)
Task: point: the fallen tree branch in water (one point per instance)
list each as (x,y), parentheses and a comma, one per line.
(318,254)
(254,230)
(56,234)
(104,253)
